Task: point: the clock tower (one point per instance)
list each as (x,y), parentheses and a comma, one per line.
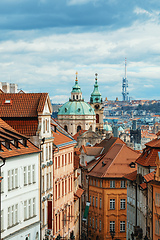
(97,103)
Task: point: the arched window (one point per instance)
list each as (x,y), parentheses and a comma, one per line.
(97,118)
(65,128)
(77,96)
(78,128)
(73,97)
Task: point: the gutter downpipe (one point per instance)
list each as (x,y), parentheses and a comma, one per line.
(4,161)
(43,140)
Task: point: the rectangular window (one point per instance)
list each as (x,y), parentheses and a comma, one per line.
(122,226)
(47,153)
(112,184)
(69,159)
(29,174)
(16,178)
(55,162)
(123,184)
(25,209)
(62,188)
(96,202)
(50,153)
(100,183)
(47,181)
(56,192)
(16,213)
(2,220)
(65,186)
(90,199)
(33,174)
(29,208)
(100,225)
(123,204)
(96,224)
(58,161)
(96,182)
(112,204)
(12,178)
(100,203)
(42,183)
(9,181)
(157,227)
(65,159)
(42,155)
(43,126)
(59,190)
(112,226)
(50,176)
(9,212)
(93,202)
(34,206)
(62,160)
(92,222)
(12,215)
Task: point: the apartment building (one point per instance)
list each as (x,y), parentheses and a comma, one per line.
(20,199)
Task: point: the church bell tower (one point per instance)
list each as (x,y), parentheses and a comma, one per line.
(97,103)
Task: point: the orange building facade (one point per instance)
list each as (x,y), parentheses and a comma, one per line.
(108,193)
(156,201)
(63,182)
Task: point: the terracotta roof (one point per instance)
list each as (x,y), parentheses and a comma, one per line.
(115,163)
(131,176)
(158,133)
(11,136)
(60,138)
(108,143)
(149,177)
(143,185)
(79,134)
(92,151)
(148,157)
(27,126)
(155,143)
(21,105)
(79,192)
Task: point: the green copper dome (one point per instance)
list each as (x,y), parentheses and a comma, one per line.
(76,108)
(76,88)
(96,96)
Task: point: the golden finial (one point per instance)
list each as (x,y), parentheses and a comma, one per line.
(76,76)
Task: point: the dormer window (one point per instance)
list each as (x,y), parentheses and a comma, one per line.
(7,101)
(7,144)
(25,142)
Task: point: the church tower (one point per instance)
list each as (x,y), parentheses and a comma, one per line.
(97,104)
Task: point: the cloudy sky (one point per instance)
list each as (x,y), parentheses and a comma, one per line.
(44,42)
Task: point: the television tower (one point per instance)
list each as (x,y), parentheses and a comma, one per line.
(125,93)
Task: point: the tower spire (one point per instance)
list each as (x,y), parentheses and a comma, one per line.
(125,67)
(76,77)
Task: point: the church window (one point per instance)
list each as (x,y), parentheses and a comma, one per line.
(65,128)
(79,109)
(73,97)
(97,118)
(77,96)
(65,110)
(78,128)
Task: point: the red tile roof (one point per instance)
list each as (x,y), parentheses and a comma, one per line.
(148,157)
(79,192)
(155,143)
(143,185)
(22,105)
(27,126)
(131,176)
(92,151)
(150,176)
(115,163)
(8,133)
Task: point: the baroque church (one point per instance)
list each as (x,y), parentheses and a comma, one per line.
(77,115)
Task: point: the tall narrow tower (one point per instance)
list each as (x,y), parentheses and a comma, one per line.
(125,93)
